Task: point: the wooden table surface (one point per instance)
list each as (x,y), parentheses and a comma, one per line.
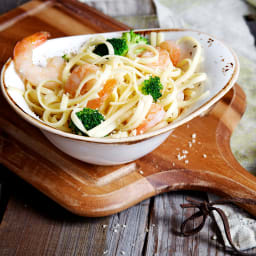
(32,224)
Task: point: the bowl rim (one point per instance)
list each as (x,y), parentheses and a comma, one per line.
(133,139)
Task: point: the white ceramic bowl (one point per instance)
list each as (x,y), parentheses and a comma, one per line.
(220,64)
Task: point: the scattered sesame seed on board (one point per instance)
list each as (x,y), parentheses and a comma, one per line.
(193,135)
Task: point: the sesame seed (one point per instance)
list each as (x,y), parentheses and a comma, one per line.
(141,172)
(184,151)
(180,157)
(123,252)
(124,226)
(186,161)
(173,164)
(115,230)
(194,135)
(214,237)
(104,226)
(190,144)
(105,252)
(204,155)
(193,141)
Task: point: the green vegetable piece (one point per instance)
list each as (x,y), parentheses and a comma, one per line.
(134,38)
(101,49)
(90,119)
(120,47)
(65,57)
(152,87)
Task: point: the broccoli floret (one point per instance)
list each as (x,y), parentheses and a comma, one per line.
(132,38)
(90,119)
(152,87)
(120,47)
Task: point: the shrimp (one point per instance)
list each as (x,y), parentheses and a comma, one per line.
(172,48)
(103,94)
(78,74)
(155,115)
(163,60)
(22,56)
(76,77)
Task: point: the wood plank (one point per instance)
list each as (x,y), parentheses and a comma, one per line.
(35,225)
(6,5)
(127,231)
(166,218)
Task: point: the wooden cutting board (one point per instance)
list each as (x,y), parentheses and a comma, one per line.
(90,190)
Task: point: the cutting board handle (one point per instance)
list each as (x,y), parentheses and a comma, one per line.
(218,171)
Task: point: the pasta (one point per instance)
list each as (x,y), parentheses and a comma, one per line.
(113,85)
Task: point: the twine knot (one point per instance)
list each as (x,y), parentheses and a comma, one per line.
(206,209)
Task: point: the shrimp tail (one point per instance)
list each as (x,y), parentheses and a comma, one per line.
(24,66)
(29,43)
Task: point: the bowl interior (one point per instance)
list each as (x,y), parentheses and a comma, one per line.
(219,63)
